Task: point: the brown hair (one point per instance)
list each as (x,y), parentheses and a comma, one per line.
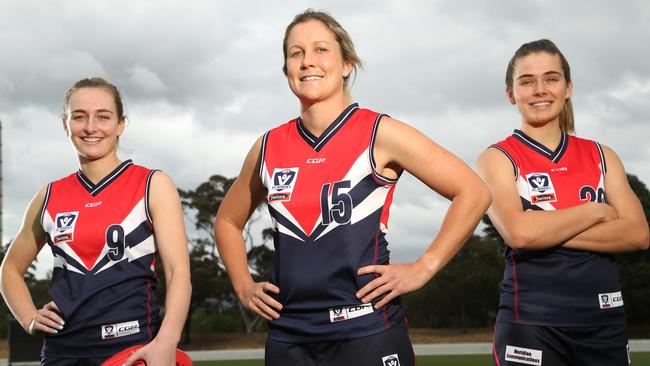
(342,37)
(545,45)
(95,82)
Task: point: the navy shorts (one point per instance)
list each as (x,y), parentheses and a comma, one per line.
(522,344)
(54,361)
(391,347)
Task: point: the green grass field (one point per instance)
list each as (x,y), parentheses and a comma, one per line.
(638,359)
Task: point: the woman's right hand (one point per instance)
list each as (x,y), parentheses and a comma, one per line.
(46,320)
(254,297)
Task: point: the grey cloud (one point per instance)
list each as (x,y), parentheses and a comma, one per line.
(202,80)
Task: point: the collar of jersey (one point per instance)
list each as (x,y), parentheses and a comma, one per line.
(317,143)
(94,189)
(554,156)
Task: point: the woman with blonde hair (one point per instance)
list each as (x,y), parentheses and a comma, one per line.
(328,176)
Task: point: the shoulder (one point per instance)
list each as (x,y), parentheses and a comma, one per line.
(494,154)
(496,158)
(392,129)
(161,181)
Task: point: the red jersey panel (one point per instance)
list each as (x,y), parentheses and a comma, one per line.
(330,210)
(104,252)
(558,286)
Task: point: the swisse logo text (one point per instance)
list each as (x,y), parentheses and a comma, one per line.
(120,329)
(315,160)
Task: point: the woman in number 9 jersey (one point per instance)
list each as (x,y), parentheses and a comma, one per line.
(106,225)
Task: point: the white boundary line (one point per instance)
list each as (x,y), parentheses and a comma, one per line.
(636,345)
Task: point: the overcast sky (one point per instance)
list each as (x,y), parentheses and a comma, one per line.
(202,80)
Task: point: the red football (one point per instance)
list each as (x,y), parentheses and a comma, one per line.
(118,359)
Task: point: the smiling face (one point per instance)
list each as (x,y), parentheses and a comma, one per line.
(314,65)
(92,122)
(539,88)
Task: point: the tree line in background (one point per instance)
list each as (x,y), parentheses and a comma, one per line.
(465,294)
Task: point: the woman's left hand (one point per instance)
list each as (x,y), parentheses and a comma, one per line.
(154,353)
(392,280)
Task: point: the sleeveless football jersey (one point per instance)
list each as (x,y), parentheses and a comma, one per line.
(558,286)
(330,211)
(101,236)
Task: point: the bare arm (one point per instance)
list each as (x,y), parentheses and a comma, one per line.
(629,231)
(532,229)
(169,229)
(399,146)
(241,200)
(23,250)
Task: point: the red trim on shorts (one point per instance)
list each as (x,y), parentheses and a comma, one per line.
(494,346)
(374,261)
(376,257)
(149,308)
(514,274)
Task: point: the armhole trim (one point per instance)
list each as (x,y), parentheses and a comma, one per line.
(515,169)
(602,158)
(371,154)
(262,155)
(44,204)
(146,195)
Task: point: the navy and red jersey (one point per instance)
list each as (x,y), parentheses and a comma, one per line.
(558,286)
(101,236)
(330,210)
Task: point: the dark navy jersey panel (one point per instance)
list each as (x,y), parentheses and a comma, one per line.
(104,263)
(558,286)
(330,216)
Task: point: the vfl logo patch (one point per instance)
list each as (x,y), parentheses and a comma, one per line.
(390,360)
(284,179)
(540,188)
(349,312)
(65,223)
(610,300)
(524,355)
(120,330)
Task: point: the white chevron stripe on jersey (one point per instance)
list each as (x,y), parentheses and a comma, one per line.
(60,262)
(371,203)
(134,219)
(360,169)
(285,230)
(280,207)
(146,247)
(601,181)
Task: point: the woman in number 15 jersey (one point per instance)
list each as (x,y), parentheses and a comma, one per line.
(328,176)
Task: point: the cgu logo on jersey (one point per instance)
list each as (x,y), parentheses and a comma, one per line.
(540,188)
(120,330)
(349,312)
(610,300)
(65,223)
(284,179)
